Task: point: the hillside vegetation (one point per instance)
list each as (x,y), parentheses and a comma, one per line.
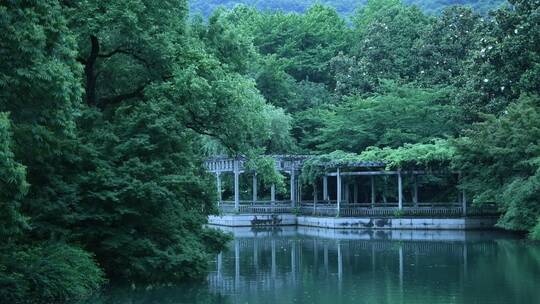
(344,7)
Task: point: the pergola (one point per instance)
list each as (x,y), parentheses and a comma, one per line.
(344,203)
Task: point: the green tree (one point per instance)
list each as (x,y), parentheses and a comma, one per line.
(450,42)
(13,185)
(499,162)
(506,63)
(303,43)
(396,116)
(144,195)
(386,35)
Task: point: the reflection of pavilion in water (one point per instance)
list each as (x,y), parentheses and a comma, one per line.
(266,261)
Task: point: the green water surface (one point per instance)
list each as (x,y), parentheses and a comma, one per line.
(311,265)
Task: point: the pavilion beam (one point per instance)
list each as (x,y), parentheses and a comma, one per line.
(370,173)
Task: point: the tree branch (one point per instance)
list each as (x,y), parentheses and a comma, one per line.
(138,92)
(127,52)
(200,127)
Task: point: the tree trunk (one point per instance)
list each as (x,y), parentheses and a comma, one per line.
(89,71)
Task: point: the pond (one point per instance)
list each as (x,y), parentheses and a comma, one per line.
(311,265)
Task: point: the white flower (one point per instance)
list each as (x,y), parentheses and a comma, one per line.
(486,80)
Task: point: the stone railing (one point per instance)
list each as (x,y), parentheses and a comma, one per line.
(259,207)
(329,209)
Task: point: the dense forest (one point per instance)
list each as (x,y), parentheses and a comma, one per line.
(107,110)
(344,7)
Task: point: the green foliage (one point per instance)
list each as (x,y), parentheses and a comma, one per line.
(386,37)
(47,273)
(499,161)
(303,43)
(316,166)
(451,40)
(110,104)
(144,162)
(505,64)
(265,168)
(39,88)
(13,185)
(535,233)
(108,109)
(344,7)
(396,116)
(432,155)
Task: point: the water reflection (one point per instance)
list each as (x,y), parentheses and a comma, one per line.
(310,265)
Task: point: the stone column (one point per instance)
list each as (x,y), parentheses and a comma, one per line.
(373,262)
(256,254)
(325,256)
(325,188)
(340,262)
(273,193)
(415,190)
(463,199)
(338,198)
(299,191)
(464,203)
(355,192)
(254,188)
(218,185)
(236,185)
(293,192)
(465,262)
(293,261)
(273,258)
(346,192)
(219,265)
(401,267)
(236,264)
(372,178)
(400,191)
(315,198)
